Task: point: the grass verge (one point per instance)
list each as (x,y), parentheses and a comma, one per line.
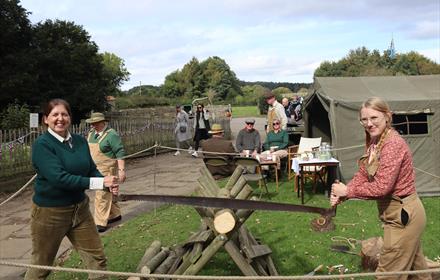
(297,249)
(245,111)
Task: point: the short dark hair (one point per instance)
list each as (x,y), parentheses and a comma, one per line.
(48,107)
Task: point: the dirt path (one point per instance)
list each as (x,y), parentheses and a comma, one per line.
(165,174)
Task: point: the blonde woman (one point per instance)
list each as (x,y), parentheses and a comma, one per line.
(386,174)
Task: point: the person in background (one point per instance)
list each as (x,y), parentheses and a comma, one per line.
(60,206)
(108,154)
(296,108)
(218,144)
(386,174)
(182,131)
(287,107)
(201,127)
(275,111)
(276,142)
(248,139)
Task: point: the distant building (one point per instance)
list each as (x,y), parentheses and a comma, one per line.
(391,50)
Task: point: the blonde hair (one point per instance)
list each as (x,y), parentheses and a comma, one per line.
(378,104)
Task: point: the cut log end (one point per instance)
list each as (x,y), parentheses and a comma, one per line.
(224,221)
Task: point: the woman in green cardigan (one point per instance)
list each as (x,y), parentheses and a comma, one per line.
(60,206)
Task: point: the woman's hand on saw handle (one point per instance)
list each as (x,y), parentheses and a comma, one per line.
(112,183)
(338,193)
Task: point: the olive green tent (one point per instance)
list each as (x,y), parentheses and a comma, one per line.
(331,112)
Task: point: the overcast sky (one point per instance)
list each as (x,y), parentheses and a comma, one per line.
(261,40)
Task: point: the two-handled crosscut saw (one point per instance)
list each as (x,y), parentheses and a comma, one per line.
(323,223)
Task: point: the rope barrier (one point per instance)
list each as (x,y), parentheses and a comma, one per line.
(426,172)
(155,146)
(20,190)
(197,277)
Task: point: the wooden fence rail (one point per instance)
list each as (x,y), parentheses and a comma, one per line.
(137,134)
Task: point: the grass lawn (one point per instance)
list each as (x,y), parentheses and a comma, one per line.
(297,249)
(245,111)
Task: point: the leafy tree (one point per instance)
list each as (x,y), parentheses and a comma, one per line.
(69,67)
(281,90)
(362,62)
(115,71)
(14,116)
(17,70)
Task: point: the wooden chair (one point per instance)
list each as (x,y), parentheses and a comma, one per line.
(312,172)
(253,171)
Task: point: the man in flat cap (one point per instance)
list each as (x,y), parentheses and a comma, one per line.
(275,111)
(218,144)
(107,152)
(248,140)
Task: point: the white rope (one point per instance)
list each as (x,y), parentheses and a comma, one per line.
(20,190)
(426,172)
(197,277)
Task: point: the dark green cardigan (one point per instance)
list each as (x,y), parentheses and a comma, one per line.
(63,172)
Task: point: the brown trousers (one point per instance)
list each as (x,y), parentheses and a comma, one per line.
(404,221)
(106,207)
(49,225)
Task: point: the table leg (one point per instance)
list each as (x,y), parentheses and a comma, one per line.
(302,185)
(276,175)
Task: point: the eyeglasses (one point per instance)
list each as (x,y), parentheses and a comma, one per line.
(249,124)
(276,123)
(199,107)
(374,120)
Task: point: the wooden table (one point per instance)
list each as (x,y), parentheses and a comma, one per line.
(331,166)
(265,162)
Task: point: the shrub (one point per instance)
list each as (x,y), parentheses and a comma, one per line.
(14,116)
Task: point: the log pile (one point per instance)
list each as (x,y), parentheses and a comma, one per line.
(219,228)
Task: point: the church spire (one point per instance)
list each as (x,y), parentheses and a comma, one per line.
(391,50)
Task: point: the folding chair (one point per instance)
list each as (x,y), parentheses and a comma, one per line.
(253,171)
(215,162)
(305,145)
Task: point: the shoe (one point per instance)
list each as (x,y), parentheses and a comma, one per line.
(177,153)
(190,150)
(115,219)
(101,228)
(194,154)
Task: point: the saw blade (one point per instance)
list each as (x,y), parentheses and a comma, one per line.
(216,202)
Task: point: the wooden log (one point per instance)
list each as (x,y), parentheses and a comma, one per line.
(260,267)
(165,266)
(150,252)
(245,193)
(224,193)
(208,180)
(224,221)
(154,262)
(184,265)
(207,254)
(199,237)
(196,252)
(180,251)
(205,172)
(241,182)
(271,266)
(239,260)
(204,189)
(234,177)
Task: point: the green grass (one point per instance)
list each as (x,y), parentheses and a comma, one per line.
(297,249)
(245,111)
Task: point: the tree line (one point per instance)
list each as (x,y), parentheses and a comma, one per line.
(52,59)
(363,62)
